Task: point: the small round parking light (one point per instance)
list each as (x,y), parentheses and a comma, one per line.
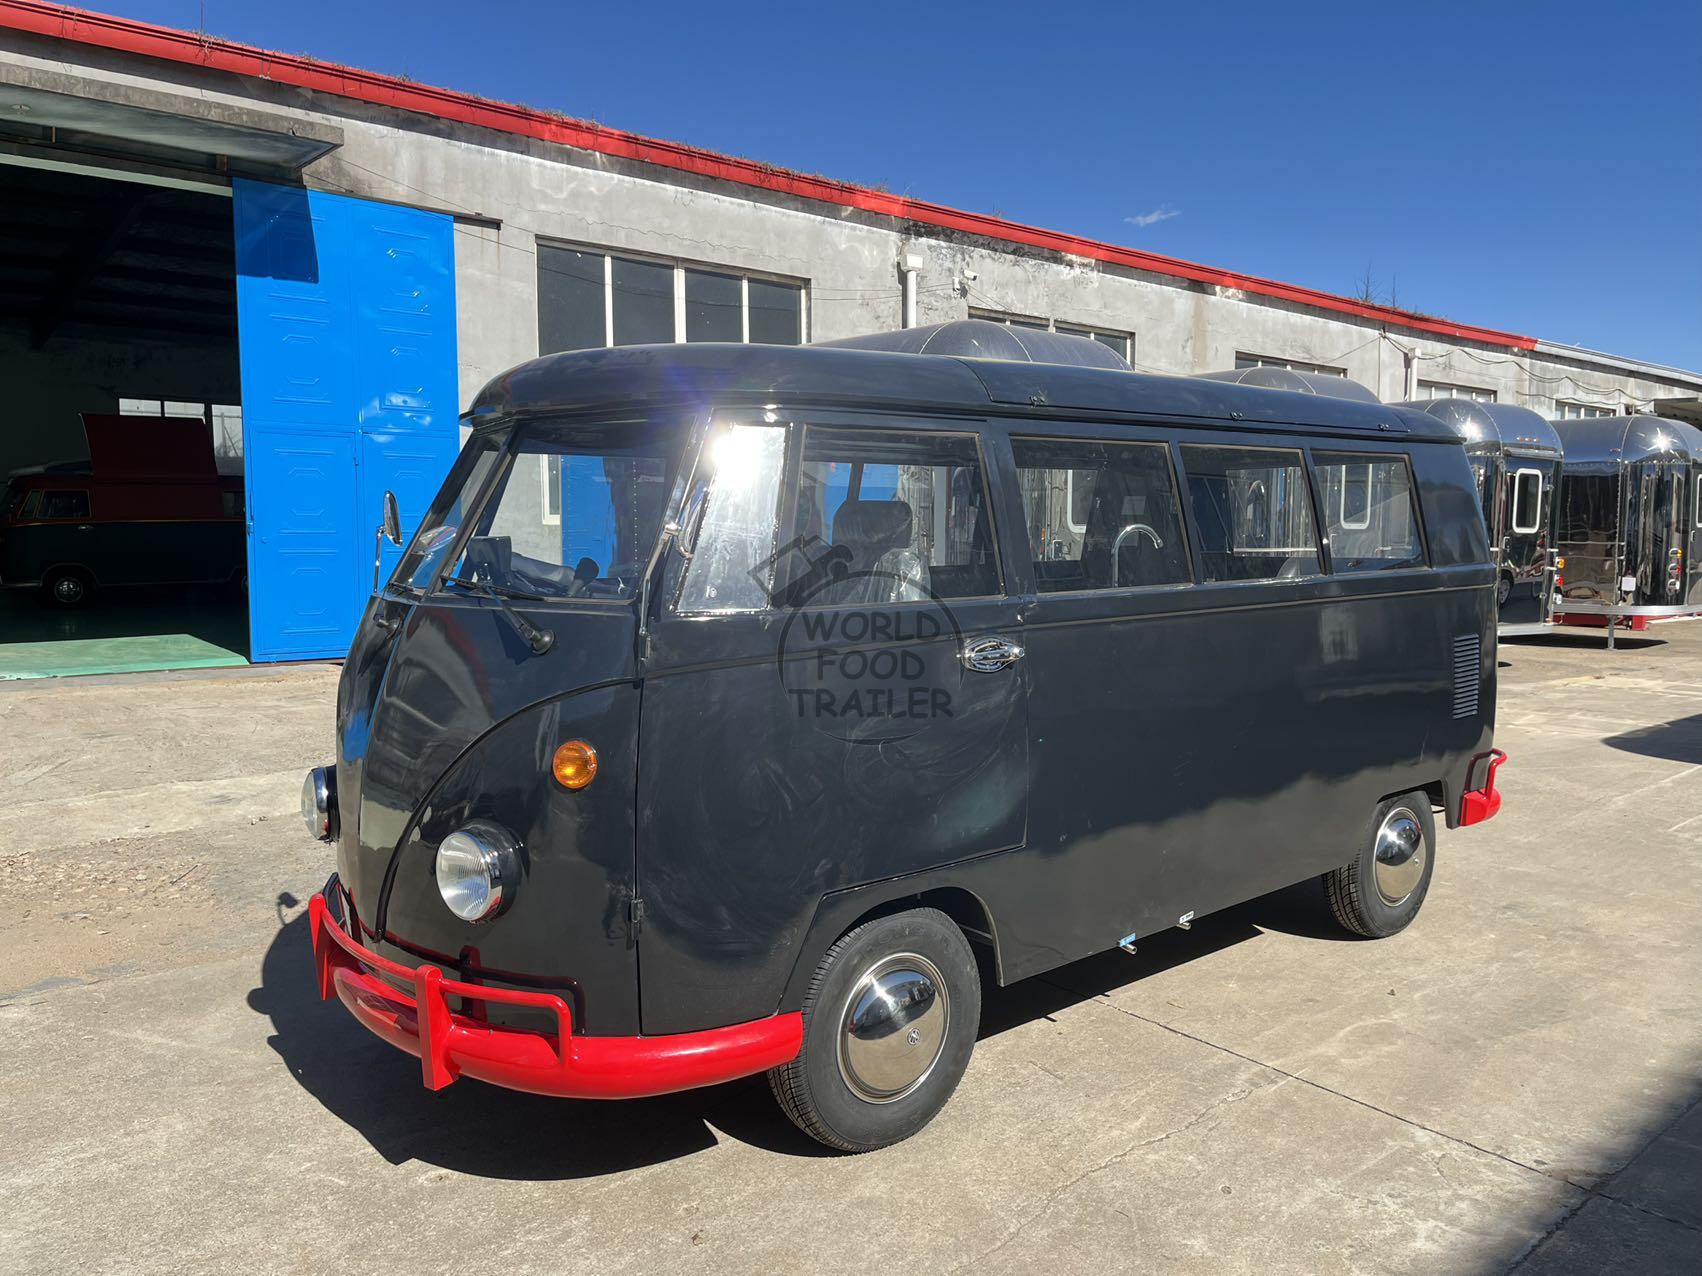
(574,765)
(478,871)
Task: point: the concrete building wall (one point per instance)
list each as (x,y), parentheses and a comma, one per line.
(510,192)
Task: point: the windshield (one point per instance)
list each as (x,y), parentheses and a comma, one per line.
(574,512)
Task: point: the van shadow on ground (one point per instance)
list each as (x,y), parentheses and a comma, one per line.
(480,1129)
(1677,741)
(1624,640)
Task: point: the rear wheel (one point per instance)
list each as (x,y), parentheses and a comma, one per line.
(1380,890)
(890,1020)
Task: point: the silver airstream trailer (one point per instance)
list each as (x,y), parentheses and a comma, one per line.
(1516,458)
(1628,532)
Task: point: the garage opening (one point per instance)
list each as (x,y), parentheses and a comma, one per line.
(122,525)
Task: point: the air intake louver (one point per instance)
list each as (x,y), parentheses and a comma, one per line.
(1468,674)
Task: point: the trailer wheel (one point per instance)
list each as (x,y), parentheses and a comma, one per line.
(890,1020)
(1380,890)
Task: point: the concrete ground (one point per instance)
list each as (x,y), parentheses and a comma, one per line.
(1512,1083)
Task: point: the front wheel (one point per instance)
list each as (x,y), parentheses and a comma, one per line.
(66,588)
(890,1020)
(1380,890)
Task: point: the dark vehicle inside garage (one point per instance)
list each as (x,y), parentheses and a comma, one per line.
(122,517)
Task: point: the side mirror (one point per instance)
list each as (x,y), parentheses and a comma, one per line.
(392,528)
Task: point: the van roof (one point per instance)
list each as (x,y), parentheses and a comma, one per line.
(710,373)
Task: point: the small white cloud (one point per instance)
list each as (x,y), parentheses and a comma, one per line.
(1161,214)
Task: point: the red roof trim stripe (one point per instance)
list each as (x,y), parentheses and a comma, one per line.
(123,34)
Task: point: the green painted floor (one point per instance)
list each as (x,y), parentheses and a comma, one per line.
(119,634)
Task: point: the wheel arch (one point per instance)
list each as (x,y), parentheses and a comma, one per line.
(843,911)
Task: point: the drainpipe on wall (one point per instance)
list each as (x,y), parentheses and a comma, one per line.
(909,265)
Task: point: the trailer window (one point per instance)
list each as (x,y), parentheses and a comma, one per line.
(1254,512)
(1370,512)
(1527,501)
(1100,515)
(888,516)
(732,560)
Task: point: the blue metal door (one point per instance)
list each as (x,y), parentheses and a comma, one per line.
(346,314)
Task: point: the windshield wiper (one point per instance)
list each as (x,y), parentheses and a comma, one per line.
(539,640)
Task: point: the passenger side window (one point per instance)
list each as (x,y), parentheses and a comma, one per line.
(1254,512)
(1527,501)
(887,516)
(1100,515)
(1369,510)
(64,504)
(732,561)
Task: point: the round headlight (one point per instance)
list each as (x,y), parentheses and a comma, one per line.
(478,871)
(319,802)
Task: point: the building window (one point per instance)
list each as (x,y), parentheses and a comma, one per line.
(1243,360)
(1444,390)
(1122,342)
(587,300)
(1569,411)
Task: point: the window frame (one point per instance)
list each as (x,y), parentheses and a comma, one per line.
(801,420)
(1245,359)
(679,266)
(1456,390)
(1064,328)
(1365,448)
(87,516)
(1515,476)
(674,583)
(1186,439)
(1167,444)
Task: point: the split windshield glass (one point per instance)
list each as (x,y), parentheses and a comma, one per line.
(573,512)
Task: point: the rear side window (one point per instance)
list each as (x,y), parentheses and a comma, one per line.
(888,516)
(1100,515)
(64,504)
(1369,510)
(1254,512)
(1527,501)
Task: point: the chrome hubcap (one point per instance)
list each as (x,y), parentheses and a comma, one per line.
(68,589)
(893,1027)
(1399,862)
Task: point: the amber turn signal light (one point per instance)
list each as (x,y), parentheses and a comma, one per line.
(574,765)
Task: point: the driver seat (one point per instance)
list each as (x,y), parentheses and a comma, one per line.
(883,568)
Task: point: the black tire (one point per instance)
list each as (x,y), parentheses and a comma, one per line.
(67,588)
(825,1096)
(1376,903)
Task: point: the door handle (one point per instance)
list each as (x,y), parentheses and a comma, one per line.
(989,655)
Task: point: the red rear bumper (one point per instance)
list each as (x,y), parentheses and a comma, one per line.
(451,1045)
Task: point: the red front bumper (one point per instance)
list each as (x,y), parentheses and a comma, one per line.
(451,1045)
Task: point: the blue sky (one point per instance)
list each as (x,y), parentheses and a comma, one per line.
(1533,167)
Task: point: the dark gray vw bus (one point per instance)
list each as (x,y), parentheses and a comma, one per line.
(741,709)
